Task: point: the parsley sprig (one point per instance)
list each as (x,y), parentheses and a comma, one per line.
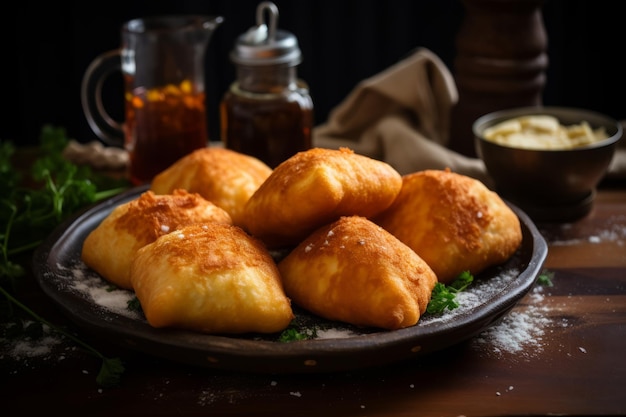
(444,296)
(31,207)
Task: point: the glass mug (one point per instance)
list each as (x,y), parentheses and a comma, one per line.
(162,64)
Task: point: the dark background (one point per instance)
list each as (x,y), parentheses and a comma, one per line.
(48,45)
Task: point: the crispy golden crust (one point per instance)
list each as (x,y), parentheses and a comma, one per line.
(314,188)
(110,247)
(222,176)
(356,272)
(211,278)
(453,222)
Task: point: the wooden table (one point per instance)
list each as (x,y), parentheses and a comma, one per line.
(571,359)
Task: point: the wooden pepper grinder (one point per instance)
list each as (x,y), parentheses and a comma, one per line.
(500,63)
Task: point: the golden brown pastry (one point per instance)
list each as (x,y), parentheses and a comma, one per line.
(314,188)
(211,278)
(111,246)
(453,222)
(224,177)
(356,272)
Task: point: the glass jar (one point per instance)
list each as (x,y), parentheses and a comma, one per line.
(267,112)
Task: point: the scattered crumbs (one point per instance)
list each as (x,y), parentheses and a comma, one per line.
(411,386)
(582,349)
(498,393)
(362,406)
(165,228)
(86,372)
(510,388)
(100,391)
(295,393)
(206,398)
(273,383)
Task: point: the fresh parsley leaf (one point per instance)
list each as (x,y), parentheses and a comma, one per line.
(545,278)
(292,333)
(30,208)
(110,372)
(134,305)
(444,296)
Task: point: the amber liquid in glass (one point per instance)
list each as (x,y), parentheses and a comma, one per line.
(270,127)
(163,125)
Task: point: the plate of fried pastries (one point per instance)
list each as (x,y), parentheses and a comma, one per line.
(324,264)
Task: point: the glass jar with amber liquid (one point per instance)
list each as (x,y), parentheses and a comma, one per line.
(267,112)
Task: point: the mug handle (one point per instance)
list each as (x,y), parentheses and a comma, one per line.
(109,130)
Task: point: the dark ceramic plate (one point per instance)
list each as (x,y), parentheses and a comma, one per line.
(88,300)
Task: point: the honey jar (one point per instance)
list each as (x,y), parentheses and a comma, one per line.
(267,112)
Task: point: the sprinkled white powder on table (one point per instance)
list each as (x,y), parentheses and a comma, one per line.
(51,346)
(521,331)
(614,230)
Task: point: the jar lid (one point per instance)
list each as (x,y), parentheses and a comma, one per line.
(263,45)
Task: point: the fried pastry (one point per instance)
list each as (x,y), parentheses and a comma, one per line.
(222,176)
(111,246)
(211,278)
(354,271)
(316,187)
(453,222)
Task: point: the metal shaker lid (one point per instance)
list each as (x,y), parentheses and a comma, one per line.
(266,45)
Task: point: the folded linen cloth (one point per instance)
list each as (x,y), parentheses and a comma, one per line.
(402,116)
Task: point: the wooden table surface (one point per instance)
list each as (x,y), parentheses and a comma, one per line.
(560,351)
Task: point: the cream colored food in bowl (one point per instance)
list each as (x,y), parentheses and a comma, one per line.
(543,132)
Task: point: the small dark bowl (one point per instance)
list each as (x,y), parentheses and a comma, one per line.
(549,185)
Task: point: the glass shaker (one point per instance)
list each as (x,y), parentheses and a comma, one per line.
(267,111)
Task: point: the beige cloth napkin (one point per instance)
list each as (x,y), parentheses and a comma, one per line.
(402,116)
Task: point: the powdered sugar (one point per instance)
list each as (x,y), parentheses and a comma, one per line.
(613,230)
(50,346)
(82,280)
(521,331)
(478,293)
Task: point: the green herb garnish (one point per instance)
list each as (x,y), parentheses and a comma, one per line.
(444,296)
(545,278)
(30,209)
(291,334)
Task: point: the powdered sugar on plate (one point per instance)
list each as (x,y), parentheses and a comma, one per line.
(83,281)
(478,293)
